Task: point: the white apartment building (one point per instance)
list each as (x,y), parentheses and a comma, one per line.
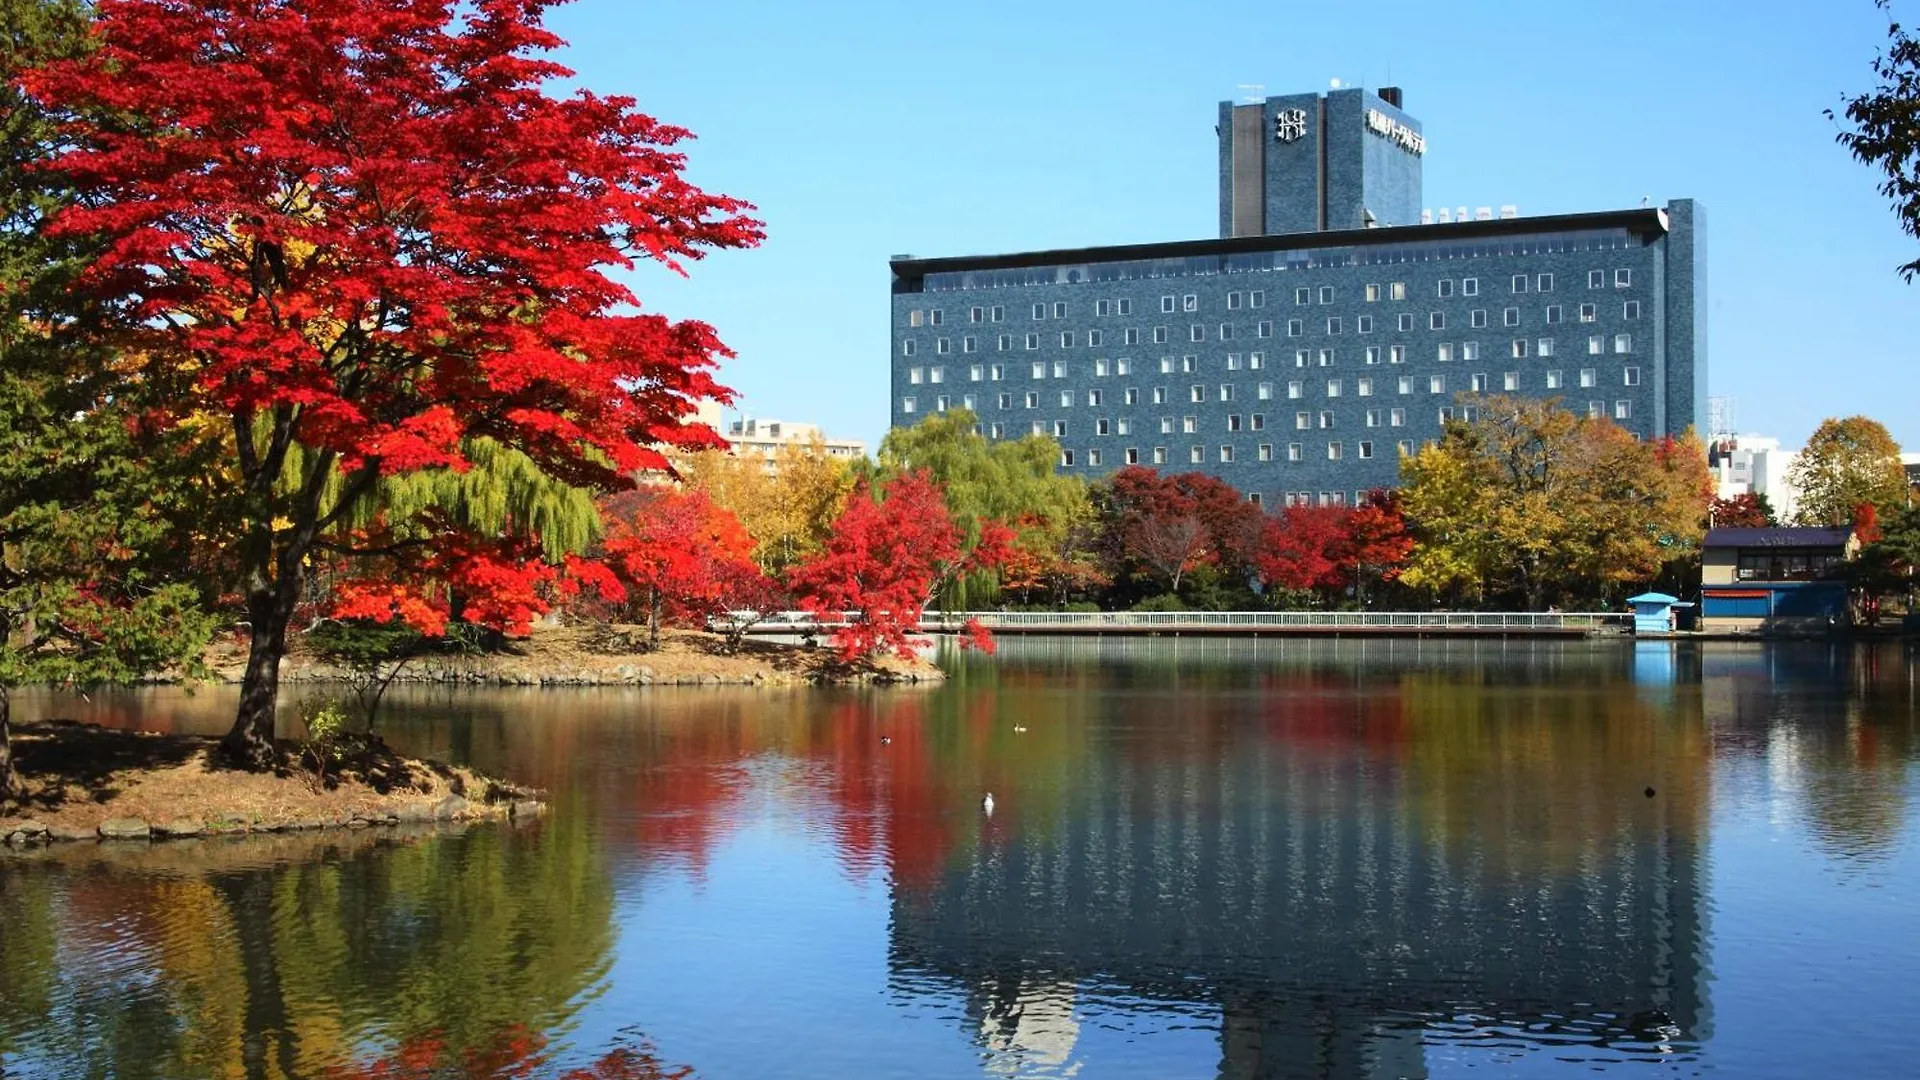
(1757,464)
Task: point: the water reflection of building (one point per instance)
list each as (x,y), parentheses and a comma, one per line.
(1311,898)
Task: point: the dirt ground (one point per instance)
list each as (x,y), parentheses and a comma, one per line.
(79,777)
(614,656)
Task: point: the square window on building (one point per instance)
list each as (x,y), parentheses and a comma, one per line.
(1166,425)
(1398,290)
(1302,421)
(1510,381)
(1294,451)
(1469,350)
(1373,294)
(1133,455)
(997,431)
(1190,302)
(1167,365)
(1436,384)
(1596,345)
(1124,306)
(1519,283)
(1233,301)
(1478,383)
(1477,318)
(1630,376)
(966,402)
(1589,377)
(907,347)
(1256,361)
(1396,354)
(1519,347)
(1446,414)
(1543,347)
(1123,366)
(906,404)
(916,317)
(933,317)
(941,403)
(1059,429)
(1099,368)
(1226,454)
(1259,421)
(1510,316)
(1437,321)
(1033,399)
(1553,314)
(1622,279)
(1470,286)
(1123,426)
(1303,295)
(1444,288)
(916,376)
(1189,424)
(1333,451)
(1597,409)
(1264,328)
(975,314)
(1596,279)
(937,375)
(1196,454)
(1066,339)
(976,373)
(1059,309)
(1059,369)
(1397,417)
(1159,455)
(1033,341)
(1039,311)
(1296,389)
(1366,449)
(1363,387)
(1623,410)
(1265,452)
(1226,331)
(1004,342)
(1131,335)
(1066,399)
(1543,283)
(1333,325)
(1553,380)
(1196,333)
(1132,395)
(1226,391)
(1264,391)
(1257,298)
(1363,324)
(1096,397)
(969,343)
(1066,459)
(1444,352)
(1161,335)
(997,313)
(1405,446)
(1630,310)
(1372,354)
(1196,393)
(1623,343)
(1159,395)
(1093,457)
(1326,294)
(1167,304)
(1233,421)
(1037,428)
(1326,418)
(1373,417)
(1039,369)
(997,372)
(1333,387)
(1406,384)
(1405,322)
(1006,401)
(1326,357)
(1096,338)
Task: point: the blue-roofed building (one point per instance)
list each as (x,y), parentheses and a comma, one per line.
(1329,329)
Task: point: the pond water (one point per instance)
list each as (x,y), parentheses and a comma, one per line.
(1205,859)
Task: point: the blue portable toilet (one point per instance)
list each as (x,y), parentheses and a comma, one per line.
(1653,612)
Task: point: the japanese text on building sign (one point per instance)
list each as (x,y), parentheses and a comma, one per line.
(1396,132)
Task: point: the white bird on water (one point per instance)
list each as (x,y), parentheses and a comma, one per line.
(986,804)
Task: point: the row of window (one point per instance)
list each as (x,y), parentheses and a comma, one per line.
(1478,318)
(1303,420)
(1236,299)
(1363,385)
(1226,455)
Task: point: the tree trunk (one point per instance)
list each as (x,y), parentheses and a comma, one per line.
(9,784)
(250,742)
(653,620)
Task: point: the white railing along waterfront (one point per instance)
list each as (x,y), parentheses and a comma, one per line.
(1229,621)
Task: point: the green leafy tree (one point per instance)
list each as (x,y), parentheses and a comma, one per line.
(1013,481)
(88,517)
(1888,564)
(1883,133)
(1848,462)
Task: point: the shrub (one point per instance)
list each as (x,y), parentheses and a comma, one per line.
(1163,602)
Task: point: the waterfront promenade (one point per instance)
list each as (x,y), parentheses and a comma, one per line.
(1251,623)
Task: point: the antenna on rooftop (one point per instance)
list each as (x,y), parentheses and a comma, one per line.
(1722,417)
(1252,93)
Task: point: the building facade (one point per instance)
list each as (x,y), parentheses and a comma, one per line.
(764,439)
(1755,465)
(1325,333)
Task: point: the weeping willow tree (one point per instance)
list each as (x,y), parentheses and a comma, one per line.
(1015,482)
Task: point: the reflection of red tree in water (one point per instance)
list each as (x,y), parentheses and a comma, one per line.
(518,1054)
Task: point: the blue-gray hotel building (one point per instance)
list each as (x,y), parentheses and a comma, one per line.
(1332,327)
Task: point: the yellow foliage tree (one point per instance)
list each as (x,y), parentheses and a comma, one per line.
(788,509)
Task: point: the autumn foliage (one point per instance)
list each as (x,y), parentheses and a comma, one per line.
(887,557)
(359,235)
(680,555)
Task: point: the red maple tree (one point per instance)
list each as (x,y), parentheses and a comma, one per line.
(1743,511)
(683,555)
(1329,549)
(886,560)
(361,234)
(1169,523)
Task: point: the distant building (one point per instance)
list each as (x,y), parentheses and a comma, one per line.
(1775,579)
(1756,464)
(1326,333)
(1912,464)
(765,439)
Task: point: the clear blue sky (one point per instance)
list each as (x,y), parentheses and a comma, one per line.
(865,129)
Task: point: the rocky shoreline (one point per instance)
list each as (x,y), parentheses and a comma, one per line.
(87,783)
